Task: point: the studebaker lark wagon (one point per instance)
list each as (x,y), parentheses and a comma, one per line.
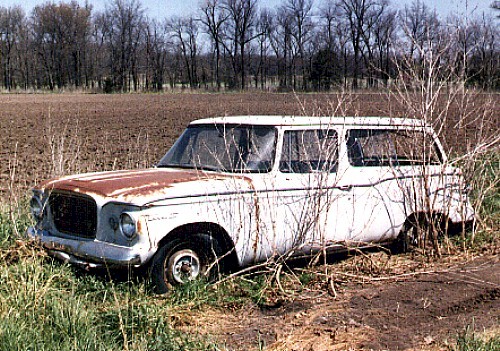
(234,191)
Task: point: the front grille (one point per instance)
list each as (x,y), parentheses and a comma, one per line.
(74,214)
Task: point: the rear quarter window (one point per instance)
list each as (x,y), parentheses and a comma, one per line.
(380,148)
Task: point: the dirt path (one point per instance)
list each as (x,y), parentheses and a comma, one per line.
(414,311)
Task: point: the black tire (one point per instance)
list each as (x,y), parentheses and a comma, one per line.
(407,239)
(185,259)
(422,233)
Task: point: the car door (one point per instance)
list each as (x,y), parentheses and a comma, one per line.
(388,169)
(311,209)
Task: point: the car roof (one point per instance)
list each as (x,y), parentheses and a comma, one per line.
(272,120)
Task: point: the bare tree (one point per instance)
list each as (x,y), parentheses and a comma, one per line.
(12,20)
(384,35)
(80,26)
(99,52)
(125,20)
(473,54)
(156,51)
(61,35)
(325,63)
(184,32)
(484,67)
(281,43)
(361,16)
(328,17)
(213,18)
(419,25)
(264,27)
(342,40)
(299,12)
(239,31)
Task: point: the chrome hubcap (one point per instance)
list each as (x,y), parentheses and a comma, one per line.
(185,266)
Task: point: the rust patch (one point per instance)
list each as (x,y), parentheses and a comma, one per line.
(139,225)
(257,219)
(255,245)
(127,183)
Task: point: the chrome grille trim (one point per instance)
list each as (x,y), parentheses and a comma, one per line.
(74,214)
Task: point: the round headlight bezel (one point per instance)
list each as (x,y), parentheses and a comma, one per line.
(128,225)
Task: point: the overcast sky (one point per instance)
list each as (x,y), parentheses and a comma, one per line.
(161,9)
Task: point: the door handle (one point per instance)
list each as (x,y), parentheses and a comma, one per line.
(345,187)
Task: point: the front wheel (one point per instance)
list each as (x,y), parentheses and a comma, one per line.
(184,259)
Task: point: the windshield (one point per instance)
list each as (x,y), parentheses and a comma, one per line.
(226,148)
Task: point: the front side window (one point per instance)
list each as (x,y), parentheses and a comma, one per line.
(306,151)
(225,148)
(391,148)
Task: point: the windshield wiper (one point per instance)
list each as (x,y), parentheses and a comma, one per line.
(190,166)
(176,165)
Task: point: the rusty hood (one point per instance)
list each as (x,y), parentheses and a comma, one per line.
(145,186)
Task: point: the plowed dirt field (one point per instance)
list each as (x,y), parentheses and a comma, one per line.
(45,135)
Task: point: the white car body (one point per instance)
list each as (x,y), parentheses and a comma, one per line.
(257,213)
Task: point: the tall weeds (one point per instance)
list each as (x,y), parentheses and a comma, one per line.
(45,305)
(434,90)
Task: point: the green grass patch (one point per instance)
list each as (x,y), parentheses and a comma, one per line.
(469,341)
(13,224)
(483,174)
(46,305)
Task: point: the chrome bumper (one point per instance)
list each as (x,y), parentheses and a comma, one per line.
(88,254)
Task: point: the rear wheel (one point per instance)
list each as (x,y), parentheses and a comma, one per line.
(422,233)
(185,259)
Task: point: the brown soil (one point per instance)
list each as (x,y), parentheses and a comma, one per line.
(423,310)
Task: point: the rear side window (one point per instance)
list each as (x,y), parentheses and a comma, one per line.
(306,151)
(378,148)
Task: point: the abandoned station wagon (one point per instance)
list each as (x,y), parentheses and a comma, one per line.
(233,191)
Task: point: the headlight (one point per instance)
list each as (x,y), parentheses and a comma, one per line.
(36,207)
(128,225)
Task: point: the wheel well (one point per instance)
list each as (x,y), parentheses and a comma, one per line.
(418,218)
(212,229)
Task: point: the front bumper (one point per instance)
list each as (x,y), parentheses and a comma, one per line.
(89,254)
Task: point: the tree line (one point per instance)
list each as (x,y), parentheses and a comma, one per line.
(240,44)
